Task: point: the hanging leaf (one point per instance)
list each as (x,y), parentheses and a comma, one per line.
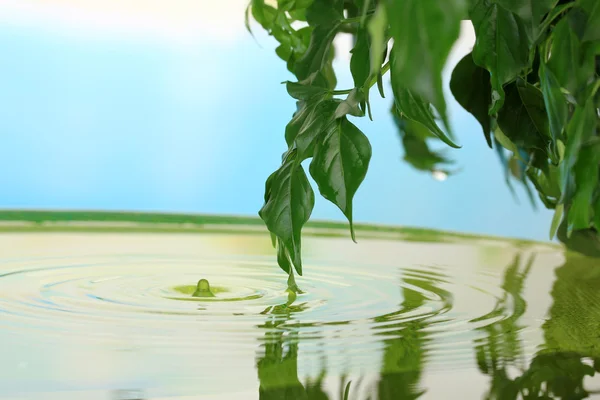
(470,86)
(377,27)
(325,12)
(502,46)
(318,52)
(314,126)
(340,164)
(523,118)
(351,104)
(556,220)
(565,57)
(531,13)
(555,102)
(424,32)
(411,107)
(288,207)
(359,63)
(586,180)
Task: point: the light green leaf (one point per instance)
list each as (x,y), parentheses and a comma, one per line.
(340,164)
(351,104)
(555,102)
(581,127)
(565,59)
(424,32)
(556,220)
(470,85)
(501,46)
(288,207)
(318,52)
(531,12)
(586,180)
(377,26)
(359,63)
(263,14)
(412,107)
(592,26)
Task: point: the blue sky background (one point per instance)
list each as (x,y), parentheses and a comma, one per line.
(134,122)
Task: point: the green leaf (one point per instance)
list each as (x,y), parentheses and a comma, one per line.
(263,14)
(325,12)
(556,220)
(351,104)
(566,54)
(412,107)
(555,102)
(340,164)
(416,151)
(531,12)
(304,92)
(377,26)
(424,32)
(288,207)
(523,118)
(318,52)
(501,47)
(315,124)
(283,257)
(581,127)
(470,86)
(359,63)
(592,26)
(286,5)
(586,180)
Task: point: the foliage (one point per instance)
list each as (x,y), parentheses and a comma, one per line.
(531,81)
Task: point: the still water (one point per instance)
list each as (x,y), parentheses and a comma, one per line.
(101,306)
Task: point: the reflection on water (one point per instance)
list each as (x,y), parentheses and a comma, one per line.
(405,314)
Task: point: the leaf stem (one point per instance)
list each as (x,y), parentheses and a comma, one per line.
(354,20)
(369,85)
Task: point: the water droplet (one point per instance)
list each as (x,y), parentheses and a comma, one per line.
(439,175)
(203,289)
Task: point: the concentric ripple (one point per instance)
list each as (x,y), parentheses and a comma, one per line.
(133,291)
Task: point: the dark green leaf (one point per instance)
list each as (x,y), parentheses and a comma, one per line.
(555,102)
(523,118)
(413,108)
(318,53)
(288,207)
(263,14)
(592,26)
(501,47)
(380,84)
(470,86)
(304,92)
(283,257)
(377,26)
(586,180)
(424,32)
(325,12)
(359,63)
(340,164)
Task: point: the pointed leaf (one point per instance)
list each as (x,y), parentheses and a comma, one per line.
(288,207)
(412,107)
(416,151)
(424,32)
(556,220)
(318,52)
(501,46)
(377,27)
(523,118)
(566,55)
(359,63)
(554,100)
(470,85)
(314,126)
(304,92)
(351,104)
(340,164)
(531,12)
(325,12)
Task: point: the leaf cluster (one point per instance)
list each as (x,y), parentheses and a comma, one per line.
(531,81)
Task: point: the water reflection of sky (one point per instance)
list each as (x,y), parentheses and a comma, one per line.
(107,108)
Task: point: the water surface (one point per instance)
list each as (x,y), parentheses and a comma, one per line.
(101,306)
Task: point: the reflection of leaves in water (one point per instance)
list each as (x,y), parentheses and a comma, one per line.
(405,354)
(558,371)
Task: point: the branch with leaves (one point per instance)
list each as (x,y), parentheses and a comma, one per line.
(531,81)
